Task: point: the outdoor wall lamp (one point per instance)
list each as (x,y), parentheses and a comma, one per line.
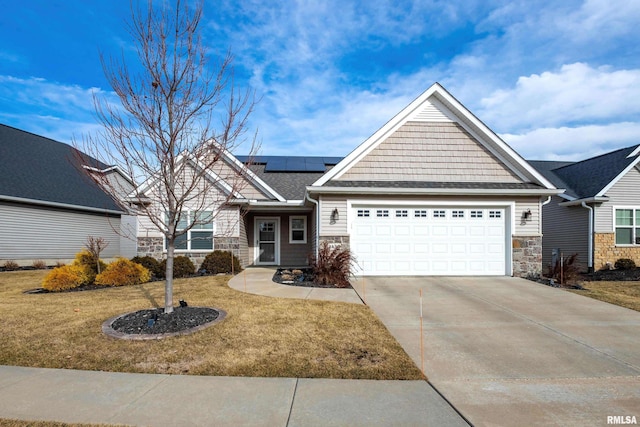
(526,215)
(335,216)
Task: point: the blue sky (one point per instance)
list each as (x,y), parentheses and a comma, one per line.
(555,79)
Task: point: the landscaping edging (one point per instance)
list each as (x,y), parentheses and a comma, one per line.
(108,330)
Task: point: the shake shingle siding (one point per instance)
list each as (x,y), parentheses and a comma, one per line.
(432,152)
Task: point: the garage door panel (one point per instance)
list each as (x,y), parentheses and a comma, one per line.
(430,241)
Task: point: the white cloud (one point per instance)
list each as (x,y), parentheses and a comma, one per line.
(577,93)
(577,143)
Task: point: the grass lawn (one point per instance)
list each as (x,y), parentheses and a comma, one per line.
(624,294)
(261,336)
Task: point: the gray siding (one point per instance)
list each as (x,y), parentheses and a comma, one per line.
(29,233)
(438,152)
(328,204)
(625,192)
(291,255)
(566,228)
(244,243)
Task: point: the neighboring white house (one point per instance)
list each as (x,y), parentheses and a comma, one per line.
(49,206)
(433,192)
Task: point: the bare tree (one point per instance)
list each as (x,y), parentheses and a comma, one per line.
(95,245)
(177,121)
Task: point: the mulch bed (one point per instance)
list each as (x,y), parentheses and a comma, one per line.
(615,275)
(300,277)
(155,321)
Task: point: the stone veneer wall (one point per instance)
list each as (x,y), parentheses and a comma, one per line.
(154,247)
(605,251)
(527,256)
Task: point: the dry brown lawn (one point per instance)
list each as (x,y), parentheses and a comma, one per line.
(624,294)
(261,336)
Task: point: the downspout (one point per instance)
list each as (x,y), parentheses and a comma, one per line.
(590,246)
(546,202)
(317,233)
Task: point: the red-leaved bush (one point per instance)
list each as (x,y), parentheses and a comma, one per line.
(333,266)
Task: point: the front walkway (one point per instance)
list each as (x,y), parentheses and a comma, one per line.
(258,280)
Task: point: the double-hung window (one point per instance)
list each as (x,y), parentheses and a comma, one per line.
(200,236)
(627,224)
(297,229)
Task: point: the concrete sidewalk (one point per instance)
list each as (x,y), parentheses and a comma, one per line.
(258,280)
(184,400)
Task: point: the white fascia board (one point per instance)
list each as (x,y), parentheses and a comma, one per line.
(115,168)
(617,178)
(574,202)
(500,149)
(245,170)
(380,135)
(634,152)
(60,205)
(434,191)
(469,121)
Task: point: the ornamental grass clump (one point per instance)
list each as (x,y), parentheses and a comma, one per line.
(123,272)
(65,278)
(333,266)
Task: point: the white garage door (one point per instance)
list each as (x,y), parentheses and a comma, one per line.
(429,241)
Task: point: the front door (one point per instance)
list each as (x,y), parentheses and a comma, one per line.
(267,241)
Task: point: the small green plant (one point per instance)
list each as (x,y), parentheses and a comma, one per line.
(39,264)
(625,264)
(123,272)
(220,262)
(10,265)
(151,264)
(65,277)
(334,266)
(182,266)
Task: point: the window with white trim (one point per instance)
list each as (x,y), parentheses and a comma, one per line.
(297,229)
(476,214)
(401,213)
(420,213)
(363,213)
(627,224)
(495,214)
(457,214)
(439,214)
(382,213)
(200,236)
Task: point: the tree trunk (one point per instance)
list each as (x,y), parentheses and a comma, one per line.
(168,284)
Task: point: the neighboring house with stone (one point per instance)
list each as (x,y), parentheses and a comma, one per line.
(598,217)
(433,192)
(49,206)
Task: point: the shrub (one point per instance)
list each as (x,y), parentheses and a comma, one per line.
(39,264)
(625,264)
(220,262)
(85,259)
(182,266)
(566,272)
(333,265)
(151,264)
(10,265)
(65,277)
(123,272)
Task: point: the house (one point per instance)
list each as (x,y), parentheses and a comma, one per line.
(433,192)
(598,217)
(49,206)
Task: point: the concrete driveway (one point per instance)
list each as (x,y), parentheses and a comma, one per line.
(507,351)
